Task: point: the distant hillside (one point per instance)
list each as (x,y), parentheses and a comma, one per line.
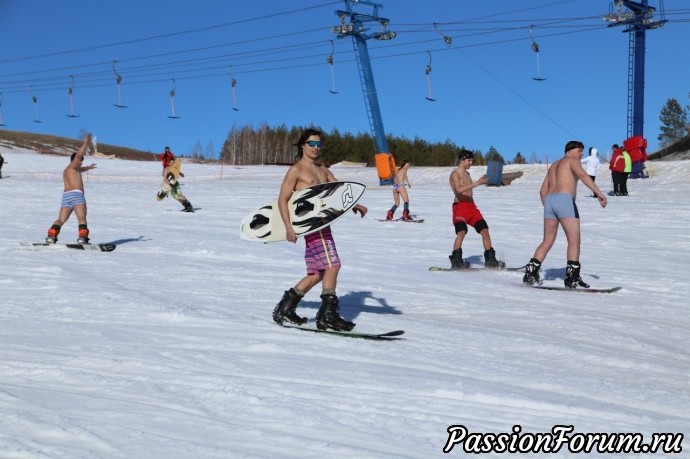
(678,150)
(54,145)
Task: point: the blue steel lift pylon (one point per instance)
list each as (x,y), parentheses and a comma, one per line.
(637,21)
(385,163)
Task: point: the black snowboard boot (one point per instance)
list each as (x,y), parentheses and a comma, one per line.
(285,310)
(572,275)
(490,260)
(456,261)
(531,276)
(188,206)
(329,317)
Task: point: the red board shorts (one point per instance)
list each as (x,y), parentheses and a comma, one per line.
(320,252)
(466,212)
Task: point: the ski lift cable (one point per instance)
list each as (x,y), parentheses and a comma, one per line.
(167,35)
(7,90)
(148,57)
(192,50)
(148,77)
(516,93)
(254,53)
(280,50)
(2,123)
(470,21)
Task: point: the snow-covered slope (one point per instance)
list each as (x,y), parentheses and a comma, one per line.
(165,348)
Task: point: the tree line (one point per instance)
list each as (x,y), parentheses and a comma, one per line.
(275,145)
(250,145)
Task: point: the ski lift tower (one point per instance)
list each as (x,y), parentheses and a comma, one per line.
(637,20)
(355,28)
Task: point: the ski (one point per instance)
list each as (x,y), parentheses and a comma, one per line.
(477,268)
(389,336)
(96,247)
(581,290)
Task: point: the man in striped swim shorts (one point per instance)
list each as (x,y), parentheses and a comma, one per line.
(321,255)
(73,196)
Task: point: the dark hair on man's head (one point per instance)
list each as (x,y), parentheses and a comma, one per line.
(465,154)
(404,161)
(303,139)
(574,144)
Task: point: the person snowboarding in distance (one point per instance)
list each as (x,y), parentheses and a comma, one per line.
(400,182)
(73,196)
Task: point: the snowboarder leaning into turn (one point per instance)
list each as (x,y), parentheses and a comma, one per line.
(465,212)
(321,256)
(73,196)
(168,158)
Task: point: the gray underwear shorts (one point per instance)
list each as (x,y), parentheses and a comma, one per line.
(560,205)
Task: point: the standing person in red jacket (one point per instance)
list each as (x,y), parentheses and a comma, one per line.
(620,166)
(167,157)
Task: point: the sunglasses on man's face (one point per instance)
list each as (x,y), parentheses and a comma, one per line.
(315,143)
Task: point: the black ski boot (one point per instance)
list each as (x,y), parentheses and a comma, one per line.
(329,317)
(531,276)
(490,260)
(572,275)
(285,310)
(456,261)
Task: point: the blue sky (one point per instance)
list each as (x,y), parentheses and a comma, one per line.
(277,53)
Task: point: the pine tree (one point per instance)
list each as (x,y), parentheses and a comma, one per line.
(494,155)
(674,122)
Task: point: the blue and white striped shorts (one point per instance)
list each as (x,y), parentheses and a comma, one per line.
(73,198)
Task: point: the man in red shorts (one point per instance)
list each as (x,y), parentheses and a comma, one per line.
(320,254)
(465,213)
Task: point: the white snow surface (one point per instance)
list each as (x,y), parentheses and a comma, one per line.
(165,348)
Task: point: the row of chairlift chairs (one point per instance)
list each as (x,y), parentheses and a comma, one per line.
(233,82)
